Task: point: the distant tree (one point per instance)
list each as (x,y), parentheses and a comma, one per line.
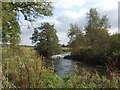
(63,45)
(77,39)
(73,32)
(10,17)
(46,40)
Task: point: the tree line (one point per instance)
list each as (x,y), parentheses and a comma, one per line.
(94,43)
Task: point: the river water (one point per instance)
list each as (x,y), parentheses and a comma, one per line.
(64,67)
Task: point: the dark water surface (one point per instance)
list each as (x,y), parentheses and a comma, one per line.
(64,67)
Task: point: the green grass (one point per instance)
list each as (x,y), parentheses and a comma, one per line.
(23,68)
(65,49)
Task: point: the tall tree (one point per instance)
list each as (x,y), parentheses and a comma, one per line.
(46,40)
(95,23)
(97,31)
(10,17)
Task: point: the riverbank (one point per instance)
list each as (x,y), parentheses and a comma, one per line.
(23,68)
(85,60)
(64,67)
(104,65)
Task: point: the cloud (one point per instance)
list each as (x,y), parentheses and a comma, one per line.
(106,4)
(67,3)
(26,32)
(25,39)
(69,13)
(113,18)
(62,37)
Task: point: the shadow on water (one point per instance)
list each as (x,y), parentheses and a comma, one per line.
(64,67)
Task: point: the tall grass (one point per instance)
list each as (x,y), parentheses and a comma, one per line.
(24,68)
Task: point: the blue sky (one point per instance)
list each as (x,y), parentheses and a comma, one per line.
(72,11)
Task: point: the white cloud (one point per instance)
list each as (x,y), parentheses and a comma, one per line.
(69,15)
(62,37)
(113,30)
(25,40)
(106,4)
(101,4)
(67,3)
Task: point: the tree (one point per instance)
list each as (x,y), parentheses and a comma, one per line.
(77,39)
(63,45)
(95,23)
(94,42)
(0,22)
(73,32)
(10,17)
(46,40)
(115,43)
(11,29)
(97,35)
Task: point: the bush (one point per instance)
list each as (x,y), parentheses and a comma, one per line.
(50,80)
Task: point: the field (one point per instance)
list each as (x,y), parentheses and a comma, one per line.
(65,49)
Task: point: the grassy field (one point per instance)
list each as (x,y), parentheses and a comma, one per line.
(24,68)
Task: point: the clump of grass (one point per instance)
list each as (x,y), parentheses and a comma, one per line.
(21,67)
(24,68)
(92,80)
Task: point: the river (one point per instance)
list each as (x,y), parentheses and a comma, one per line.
(64,67)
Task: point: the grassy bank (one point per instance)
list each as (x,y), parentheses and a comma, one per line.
(24,68)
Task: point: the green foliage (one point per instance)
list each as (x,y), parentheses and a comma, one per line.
(115,43)
(10,17)
(46,40)
(23,68)
(96,30)
(73,32)
(82,52)
(114,51)
(95,22)
(77,39)
(50,80)
(100,43)
(11,29)
(65,49)
(95,42)
(91,80)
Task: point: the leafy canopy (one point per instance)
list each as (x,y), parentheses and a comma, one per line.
(10,17)
(46,40)
(96,35)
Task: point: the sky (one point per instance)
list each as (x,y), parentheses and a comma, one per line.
(66,12)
